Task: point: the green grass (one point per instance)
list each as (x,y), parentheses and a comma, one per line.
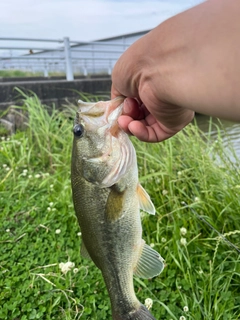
(19,73)
(22,73)
(202,271)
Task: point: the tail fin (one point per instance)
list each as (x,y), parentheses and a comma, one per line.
(140,314)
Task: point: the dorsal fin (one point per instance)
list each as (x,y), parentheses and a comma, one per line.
(145,202)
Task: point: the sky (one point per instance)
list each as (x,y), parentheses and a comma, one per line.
(84,20)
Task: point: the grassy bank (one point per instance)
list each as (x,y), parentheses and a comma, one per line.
(21,73)
(38,228)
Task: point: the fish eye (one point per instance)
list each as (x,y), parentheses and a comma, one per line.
(78,130)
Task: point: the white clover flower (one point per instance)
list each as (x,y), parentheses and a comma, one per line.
(49,209)
(30,176)
(2,138)
(148,303)
(182,318)
(51,186)
(183,241)
(163,239)
(185,309)
(75,270)
(50,204)
(25,170)
(37,175)
(79,234)
(183,231)
(65,267)
(7,230)
(179,173)
(4,165)
(196,199)
(58,231)
(152,245)
(164,192)
(7,168)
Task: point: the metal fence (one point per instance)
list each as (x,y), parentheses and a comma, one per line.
(70,57)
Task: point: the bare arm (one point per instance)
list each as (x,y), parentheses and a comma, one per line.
(189,63)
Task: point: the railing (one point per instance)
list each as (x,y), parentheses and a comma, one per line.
(71,57)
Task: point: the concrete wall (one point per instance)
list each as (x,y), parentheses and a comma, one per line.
(52,91)
(53,78)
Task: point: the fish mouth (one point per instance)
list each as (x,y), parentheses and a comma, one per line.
(100,114)
(98,109)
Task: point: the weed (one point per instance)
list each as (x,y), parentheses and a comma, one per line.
(42,275)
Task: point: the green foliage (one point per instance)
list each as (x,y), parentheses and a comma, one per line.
(38,228)
(19,73)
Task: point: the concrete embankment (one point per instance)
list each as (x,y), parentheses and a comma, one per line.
(52,91)
(51,78)
(48,91)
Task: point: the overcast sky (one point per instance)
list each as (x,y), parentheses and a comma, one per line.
(84,20)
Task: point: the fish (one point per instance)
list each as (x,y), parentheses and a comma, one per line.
(107,199)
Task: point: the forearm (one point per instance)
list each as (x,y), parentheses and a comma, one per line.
(191,60)
(201,69)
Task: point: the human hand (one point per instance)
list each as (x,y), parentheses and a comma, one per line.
(138,121)
(189,63)
(150,111)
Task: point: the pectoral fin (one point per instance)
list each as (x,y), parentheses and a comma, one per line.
(145,202)
(114,205)
(84,252)
(150,263)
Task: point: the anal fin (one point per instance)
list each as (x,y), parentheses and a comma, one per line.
(150,263)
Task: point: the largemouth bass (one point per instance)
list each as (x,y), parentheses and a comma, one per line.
(107,199)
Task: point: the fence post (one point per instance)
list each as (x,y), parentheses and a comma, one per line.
(68,60)
(45,70)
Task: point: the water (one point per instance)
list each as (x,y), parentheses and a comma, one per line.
(230,132)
